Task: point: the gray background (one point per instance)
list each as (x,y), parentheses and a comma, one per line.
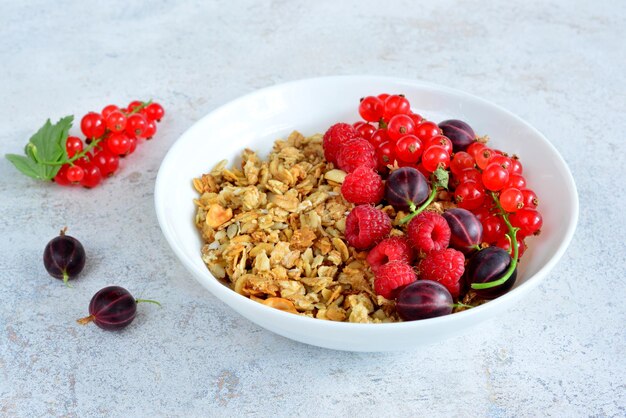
(559,352)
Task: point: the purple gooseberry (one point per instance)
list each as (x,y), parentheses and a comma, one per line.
(113,308)
(466,230)
(64,257)
(459,132)
(404,186)
(488,265)
(424,299)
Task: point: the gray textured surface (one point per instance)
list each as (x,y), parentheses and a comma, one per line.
(560,352)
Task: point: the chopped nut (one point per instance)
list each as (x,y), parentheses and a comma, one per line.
(280,304)
(338,176)
(217,215)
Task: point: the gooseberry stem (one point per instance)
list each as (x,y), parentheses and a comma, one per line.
(513,237)
(66,278)
(415,212)
(148,301)
(86,320)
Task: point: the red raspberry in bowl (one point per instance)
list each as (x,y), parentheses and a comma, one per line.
(391,277)
(389,250)
(444,266)
(363,186)
(429,231)
(356,153)
(365,226)
(335,137)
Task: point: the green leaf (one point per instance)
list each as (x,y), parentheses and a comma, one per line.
(25,165)
(441,178)
(48,145)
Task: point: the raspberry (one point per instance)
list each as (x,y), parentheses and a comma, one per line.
(335,137)
(391,277)
(366,225)
(362,186)
(356,153)
(429,231)
(389,250)
(444,266)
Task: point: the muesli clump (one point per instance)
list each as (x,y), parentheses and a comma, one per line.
(274,231)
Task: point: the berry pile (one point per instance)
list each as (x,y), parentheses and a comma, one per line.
(401,137)
(400,160)
(51,154)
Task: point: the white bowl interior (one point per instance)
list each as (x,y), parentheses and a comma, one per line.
(310,106)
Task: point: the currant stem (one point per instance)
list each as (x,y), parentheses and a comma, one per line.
(513,237)
(148,301)
(139,108)
(76,156)
(419,210)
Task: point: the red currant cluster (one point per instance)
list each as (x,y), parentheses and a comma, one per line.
(110,134)
(480,171)
(401,137)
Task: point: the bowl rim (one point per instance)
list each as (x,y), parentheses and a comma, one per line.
(228,296)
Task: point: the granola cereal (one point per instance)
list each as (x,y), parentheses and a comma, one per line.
(274,231)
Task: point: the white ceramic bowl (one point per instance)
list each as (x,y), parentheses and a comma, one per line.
(311,106)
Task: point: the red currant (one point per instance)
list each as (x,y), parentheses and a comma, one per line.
(470,174)
(136,125)
(435,156)
(474,148)
(396,105)
(151,129)
(516,165)
(417,119)
(383,96)
(408,148)
(511,199)
(494,228)
(530,199)
(134,105)
(155,112)
(400,125)
(427,130)
(469,195)
(92,125)
(502,160)
(106,161)
(118,143)
(516,180)
(441,141)
(116,121)
(386,155)
(92,176)
(133,141)
(133,144)
(371,108)
(108,109)
(482,157)
(529,221)
(75,174)
(495,177)
(378,137)
(73,145)
(482,212)
(61,176)
(460,162)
